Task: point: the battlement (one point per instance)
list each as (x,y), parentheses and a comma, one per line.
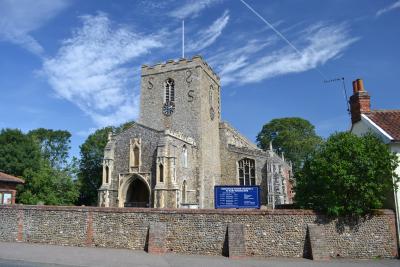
(182,63)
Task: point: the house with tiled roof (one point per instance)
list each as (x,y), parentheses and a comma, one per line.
(383,123)
(8,188)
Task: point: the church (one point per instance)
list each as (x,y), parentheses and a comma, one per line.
(180,148)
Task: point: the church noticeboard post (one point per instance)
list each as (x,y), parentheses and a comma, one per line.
(239,197)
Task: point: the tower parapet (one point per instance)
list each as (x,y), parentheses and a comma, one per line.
(182,63)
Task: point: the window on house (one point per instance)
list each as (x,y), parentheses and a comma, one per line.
(247,173)
(169,90)
(7,198)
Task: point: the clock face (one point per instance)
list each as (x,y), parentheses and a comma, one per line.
(168,108)
(212,113)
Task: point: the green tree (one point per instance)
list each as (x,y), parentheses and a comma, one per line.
(91,163)
(18,152)
(55,145)
(40,157)
(295,137)
(48,186)
(347,175)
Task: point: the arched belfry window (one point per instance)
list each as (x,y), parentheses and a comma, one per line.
(247,172)
(184,156)
(169,90)
(107,175)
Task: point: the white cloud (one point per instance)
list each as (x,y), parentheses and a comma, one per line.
(91,69)
(208,36)
(19,18)
(388,8)
(192,8)
(319,43)
(229,61)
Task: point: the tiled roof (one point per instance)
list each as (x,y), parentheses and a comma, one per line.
(388,120)
(9,178)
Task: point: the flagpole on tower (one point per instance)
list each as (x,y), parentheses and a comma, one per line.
(183,39)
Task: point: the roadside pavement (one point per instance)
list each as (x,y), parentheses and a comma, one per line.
(40,255)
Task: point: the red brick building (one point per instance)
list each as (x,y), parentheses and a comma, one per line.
(8,184)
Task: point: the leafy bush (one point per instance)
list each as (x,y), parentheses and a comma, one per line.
(347,175)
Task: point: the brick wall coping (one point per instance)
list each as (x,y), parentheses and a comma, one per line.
(180,211)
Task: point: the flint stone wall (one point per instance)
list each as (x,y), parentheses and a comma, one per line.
(279,233)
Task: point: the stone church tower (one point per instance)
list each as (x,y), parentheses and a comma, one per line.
(180,149)
(184,97)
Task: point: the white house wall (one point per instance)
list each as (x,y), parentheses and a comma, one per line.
(365,125)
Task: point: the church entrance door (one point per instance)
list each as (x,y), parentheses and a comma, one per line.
(138,194)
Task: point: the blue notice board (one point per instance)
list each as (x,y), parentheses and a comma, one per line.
(239,197)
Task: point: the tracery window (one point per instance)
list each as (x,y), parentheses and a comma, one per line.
(169,90)
(247,172)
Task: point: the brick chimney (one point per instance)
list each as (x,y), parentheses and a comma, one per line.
(360,101)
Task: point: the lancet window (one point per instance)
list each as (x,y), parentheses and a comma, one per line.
(136,156)
(184,192)
(184,156)
(161,172)
(107,174)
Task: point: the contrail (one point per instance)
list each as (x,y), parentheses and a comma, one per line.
(278,33)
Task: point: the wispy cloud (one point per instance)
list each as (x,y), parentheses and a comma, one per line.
(19,18)
(388,8)
(86,133)
(192,8)
(93,69)
(208,36)
(317,45)
(228,61)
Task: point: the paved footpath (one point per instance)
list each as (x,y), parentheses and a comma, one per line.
(35,255)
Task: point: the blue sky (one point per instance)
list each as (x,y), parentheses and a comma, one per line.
(75,65)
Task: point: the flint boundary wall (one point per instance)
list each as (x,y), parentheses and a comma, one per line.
(267,233)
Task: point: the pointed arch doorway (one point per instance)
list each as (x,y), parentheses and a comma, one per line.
(137,194)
